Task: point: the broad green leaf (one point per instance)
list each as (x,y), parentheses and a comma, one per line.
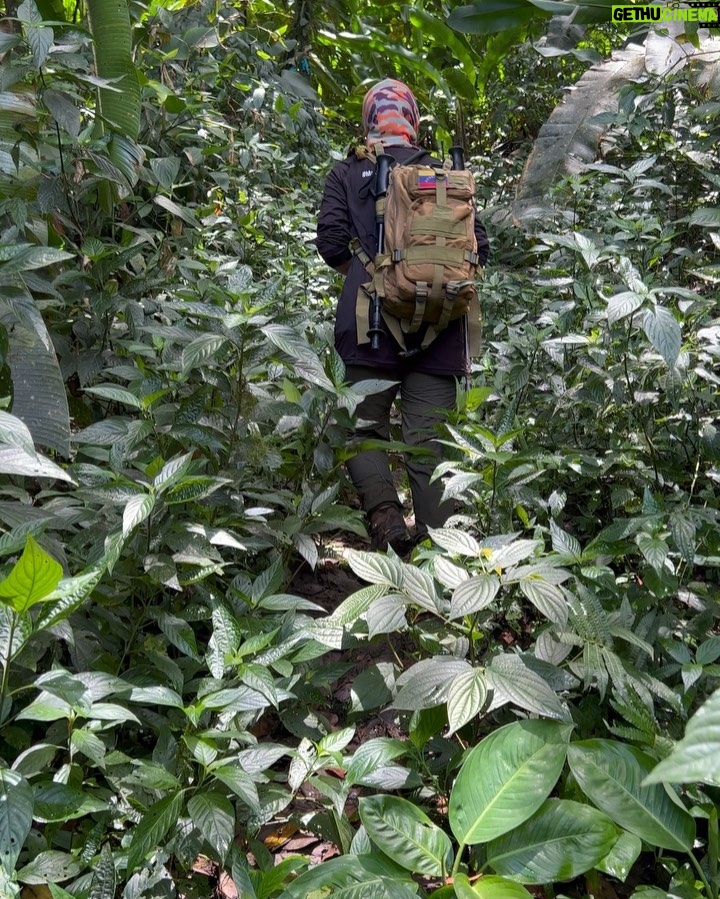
(612,776)
(405,833)
(663,332)
(239,782)
(473,595)
(214,817)
(492,16)
(32,579)
(16,817)
(51,866)
(64,110)
(89,744)
(136,511)
(706,217)
(506,778)
(420,587)
(152,829)
(426,683)
(562,840)
(386,615)
(653,549)
(623,304)
(116,395)
(375,753)
(58,802)
(697,756)
(465,699)
(548,599)
(201,350)
(376,568)
(15,432)
(512,681)
(623,855)
(14,460)
(104,879)
(488,887)
(457,543)
(353,877)
(683,531)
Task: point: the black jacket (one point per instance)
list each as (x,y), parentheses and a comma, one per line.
(347,211)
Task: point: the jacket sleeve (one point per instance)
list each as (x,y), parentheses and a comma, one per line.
(334,224)
(483,245)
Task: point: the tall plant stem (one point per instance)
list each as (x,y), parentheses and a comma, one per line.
(458,859)
(710,891)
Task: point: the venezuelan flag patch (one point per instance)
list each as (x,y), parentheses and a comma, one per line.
(427,182)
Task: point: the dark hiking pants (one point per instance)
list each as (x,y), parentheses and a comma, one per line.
(424,401)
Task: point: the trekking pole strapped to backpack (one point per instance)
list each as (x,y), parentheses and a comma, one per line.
(384,162)
(457,156)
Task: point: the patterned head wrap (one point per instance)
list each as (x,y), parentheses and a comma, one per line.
(391,114)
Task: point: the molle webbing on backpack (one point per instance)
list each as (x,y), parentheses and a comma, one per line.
(426,272)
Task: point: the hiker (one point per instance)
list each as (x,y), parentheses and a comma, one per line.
(426,380)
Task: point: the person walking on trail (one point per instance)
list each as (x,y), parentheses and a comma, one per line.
(425,380)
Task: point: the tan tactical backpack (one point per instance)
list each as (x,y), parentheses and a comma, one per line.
(426,271)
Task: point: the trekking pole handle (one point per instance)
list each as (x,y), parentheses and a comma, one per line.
(384,161)
(457,155)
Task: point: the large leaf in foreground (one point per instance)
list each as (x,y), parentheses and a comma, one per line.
(16,813)
(612,775)
(506,778)
(697,756)
(406,834)
(353,877)
(153,827)
(562,840)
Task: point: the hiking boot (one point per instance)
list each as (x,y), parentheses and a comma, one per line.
(388,528)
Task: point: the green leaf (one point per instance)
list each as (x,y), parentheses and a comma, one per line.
(104,880)
(376,753)
(706,217)
(405,833)
(562,840)
(697,756)
(50,867)
(512,681)
(116,395)
(39,37)
(32,579)
(153,828)
(58,803)
(214,817)
(16,816)
(14,432)
(375,568)
(465,699)
(488,887)
(506,778)
(240,783)
(426,683)
(118,105)
(136,511)
(491,16)
(64,110)
(612,775)
(548,599)
(622,305)
(623,855)
(663,332)
(457,543)
(353,877)
(14,460)
(201,350)
(473,595)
